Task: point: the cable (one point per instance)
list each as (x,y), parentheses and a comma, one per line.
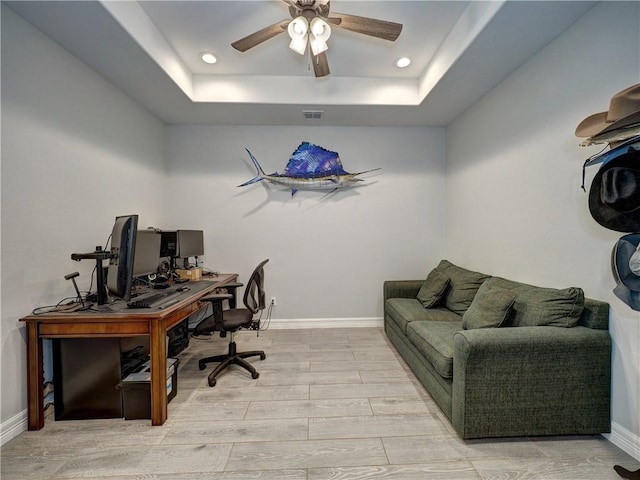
(107,242)
(268,318)
(144,281)
(71,306)
(204,313)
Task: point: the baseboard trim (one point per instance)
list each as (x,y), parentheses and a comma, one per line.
(13,427)
(291,323)
(624,440)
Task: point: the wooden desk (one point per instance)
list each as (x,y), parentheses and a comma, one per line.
(116,323)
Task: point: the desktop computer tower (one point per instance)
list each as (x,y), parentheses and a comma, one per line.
(86,375)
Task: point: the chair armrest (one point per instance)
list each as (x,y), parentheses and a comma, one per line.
(531,381)
(401,288)
(213,323)
(233,289)
(216,297)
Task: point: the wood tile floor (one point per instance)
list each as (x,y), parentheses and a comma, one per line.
(329,404)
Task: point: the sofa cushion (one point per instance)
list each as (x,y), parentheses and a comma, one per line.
(403,311)
(462,288)
(538,306)
(490,308)
(435,342)
(433,288)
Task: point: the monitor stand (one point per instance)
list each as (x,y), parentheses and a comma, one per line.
(98,255)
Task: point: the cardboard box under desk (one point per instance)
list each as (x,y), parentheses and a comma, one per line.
(136,390)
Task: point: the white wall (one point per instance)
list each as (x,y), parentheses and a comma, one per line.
(329,256)
(514,203)
(76,152)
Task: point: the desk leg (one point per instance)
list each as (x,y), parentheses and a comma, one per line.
(158,353)
(35,378)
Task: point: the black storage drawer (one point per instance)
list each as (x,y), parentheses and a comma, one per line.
(136,390)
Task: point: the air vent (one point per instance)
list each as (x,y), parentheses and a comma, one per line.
(313,114)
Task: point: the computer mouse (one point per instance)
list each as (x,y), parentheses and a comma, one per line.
(182,289)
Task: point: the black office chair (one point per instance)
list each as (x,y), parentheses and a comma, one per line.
(232,320)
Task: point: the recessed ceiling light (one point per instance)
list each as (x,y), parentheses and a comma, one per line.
(403,62)
(208,58)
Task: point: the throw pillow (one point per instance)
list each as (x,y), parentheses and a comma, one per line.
(433,289)
(539,306)
(463,287)
(490,308)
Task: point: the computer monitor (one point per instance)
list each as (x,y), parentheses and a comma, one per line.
(168,243)
(123,243)
(147,253)
(190,243)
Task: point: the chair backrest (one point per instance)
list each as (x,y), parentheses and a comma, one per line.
(254,299)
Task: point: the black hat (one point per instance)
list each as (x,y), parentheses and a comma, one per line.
(614,197)
(625,263)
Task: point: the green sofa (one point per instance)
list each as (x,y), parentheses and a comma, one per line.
(503,358)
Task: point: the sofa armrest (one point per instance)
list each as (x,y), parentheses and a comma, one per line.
(524,381)
(401,288)
(595,314)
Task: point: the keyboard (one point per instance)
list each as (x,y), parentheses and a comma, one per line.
(148,300)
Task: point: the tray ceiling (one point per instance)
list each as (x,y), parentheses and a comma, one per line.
(151,50)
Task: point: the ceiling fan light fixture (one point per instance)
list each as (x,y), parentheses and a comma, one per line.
(298,28)
(299,45)
(320,29)
(320,33)
(403,62)
(208,57)
(311,26)
(318,46)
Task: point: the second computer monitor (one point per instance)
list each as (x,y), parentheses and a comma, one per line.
(147,253)
(169,243)
(190,243)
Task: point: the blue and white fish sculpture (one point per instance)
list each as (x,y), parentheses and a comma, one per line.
(310,167)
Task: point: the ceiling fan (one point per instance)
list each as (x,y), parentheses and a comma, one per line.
(311,23)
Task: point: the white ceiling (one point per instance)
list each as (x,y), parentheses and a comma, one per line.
(151,49)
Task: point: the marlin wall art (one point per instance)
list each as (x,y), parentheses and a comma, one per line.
(310,167)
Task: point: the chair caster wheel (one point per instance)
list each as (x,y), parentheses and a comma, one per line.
(212,382)
(202,365)
(262,356)
(255,375)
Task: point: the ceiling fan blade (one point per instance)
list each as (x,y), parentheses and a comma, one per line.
(368,26)
(260,36)
(320,64)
